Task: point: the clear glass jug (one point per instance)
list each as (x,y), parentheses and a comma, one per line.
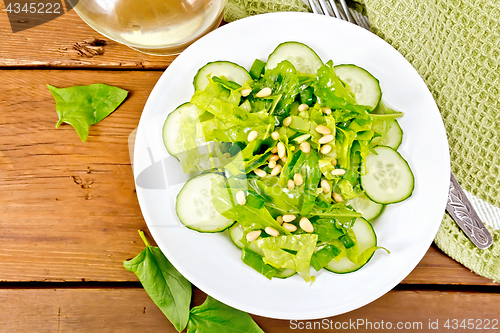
(159,27)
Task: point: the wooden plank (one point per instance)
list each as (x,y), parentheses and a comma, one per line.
(131,310)
(68,210)
(68,42)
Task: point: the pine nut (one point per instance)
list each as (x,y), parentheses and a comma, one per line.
(274,157)
(290,227)
(275,135)
(326,110)
(281,149)
(325,186)
(227,155)
(246,92)
(337,197)
(274,150)
(306,225)
(334,162)
(289,218)
(325,149)
(287,121)
(260,172)
(241,198)
(305,147)
(291,184)
(303,107)
(252,135)
(272,232)
(321,129)
(253,235)
(338,172)
(279,219)
(283,159)
(326,139)
(272,164)
(297,179)
(276,170)
(265,92)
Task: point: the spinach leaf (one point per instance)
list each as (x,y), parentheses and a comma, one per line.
(283,81)
(330,90)
(168,289)
(214,316)
(83,106)
(326,229)
(225,203)
(255,261)
(322,257)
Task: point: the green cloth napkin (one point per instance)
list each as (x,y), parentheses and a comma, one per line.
(455,47)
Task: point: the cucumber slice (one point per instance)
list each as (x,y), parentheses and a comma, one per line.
(366,238)
(368,209)
(365,86)
(285,273)
(236,233)
(392,138)
(302,57)
(386,177)
(229,70)
(177,121)
(194,205)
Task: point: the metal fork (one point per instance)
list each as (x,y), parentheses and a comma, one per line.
(343,13)
(458,206)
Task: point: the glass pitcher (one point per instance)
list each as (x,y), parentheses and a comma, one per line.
(159,27)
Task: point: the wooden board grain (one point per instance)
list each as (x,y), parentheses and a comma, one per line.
(68,42)
(68,210)
(131,310)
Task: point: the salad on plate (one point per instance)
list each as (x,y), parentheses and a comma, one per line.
(294,157)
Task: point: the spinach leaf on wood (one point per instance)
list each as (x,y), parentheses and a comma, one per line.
(83,106)
(168,289)
(213,316)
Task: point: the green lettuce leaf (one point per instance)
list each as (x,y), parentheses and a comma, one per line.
(168,289)
(231,114)
(281,198)
(83,106)
(213,316)
(347,190)
(276,256)
(343,144)
(313,176)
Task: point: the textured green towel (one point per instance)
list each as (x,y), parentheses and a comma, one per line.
(455,46)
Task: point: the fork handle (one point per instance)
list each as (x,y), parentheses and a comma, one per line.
(461,210)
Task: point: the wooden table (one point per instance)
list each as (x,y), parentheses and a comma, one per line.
(69,214)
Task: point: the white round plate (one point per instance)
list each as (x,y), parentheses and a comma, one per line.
(211,261)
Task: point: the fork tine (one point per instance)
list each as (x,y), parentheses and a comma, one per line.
(322,3)
(346,11)
(313,6)
(335,9)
